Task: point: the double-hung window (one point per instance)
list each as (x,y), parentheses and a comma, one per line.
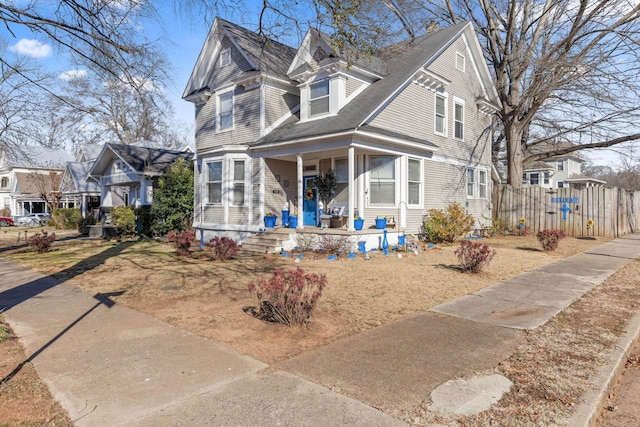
(441,115)
(214,181)
(342,178)
(560,165)
(238,182)
(546,178)
(458,119)
(382,180)
(225,111)
(414,182)
(534,178)
(471,182)
(482,184)
(319,98)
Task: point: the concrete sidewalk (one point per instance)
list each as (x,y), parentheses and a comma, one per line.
(109,365)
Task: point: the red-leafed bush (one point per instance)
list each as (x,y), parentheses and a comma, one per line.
(549,239)
(41,242)
(288,297)
(474,256)
(223,248)
(182,241)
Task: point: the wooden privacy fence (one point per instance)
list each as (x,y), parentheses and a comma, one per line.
(614,212)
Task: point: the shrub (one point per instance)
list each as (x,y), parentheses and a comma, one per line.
(474,256)
(172,207)
(5,212)
(522,231)
(182,241)
(549,239)
(223,248)
(445,226)
(124,220)
(305,241)
(41,242)
(337,245)
(498,227)
(288,297)
(66,218)
(84,223)
(144,220)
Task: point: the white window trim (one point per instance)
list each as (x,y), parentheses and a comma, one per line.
(328,96)
(561,163)
(232,181)
(396,180)
(466,182)
(206,181)
(219,94)
(537,174)
(435,113)
(420,203)
(225,54)
(486,184)
(458,101)
(464,62)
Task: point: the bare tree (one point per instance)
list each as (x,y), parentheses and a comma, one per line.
(47,186)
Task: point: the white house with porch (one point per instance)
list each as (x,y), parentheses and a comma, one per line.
(405,130)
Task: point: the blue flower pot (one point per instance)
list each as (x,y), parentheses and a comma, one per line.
(293,221)
(381,223)
(270,221)
(358,224)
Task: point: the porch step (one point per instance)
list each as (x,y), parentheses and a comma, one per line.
(263,242)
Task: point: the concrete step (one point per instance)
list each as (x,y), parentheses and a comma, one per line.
(265,242)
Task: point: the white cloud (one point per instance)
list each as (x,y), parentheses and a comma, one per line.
(73,74)
(32,48)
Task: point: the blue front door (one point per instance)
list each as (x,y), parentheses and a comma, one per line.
(310,202)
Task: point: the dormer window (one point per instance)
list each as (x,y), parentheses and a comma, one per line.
(225,57)
(319,98)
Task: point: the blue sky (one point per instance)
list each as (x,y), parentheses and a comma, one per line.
(184,39)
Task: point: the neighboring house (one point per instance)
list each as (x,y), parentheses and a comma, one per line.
(75,183)
(126,174)
(29,174)
(558,172)
(405,130)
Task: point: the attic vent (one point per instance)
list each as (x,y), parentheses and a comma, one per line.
(225,57)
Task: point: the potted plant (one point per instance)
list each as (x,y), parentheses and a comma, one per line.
(358,222)
(270,219)
(326,186)
(293,219)
(381,222)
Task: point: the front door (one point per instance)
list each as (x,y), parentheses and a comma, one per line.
(310,202)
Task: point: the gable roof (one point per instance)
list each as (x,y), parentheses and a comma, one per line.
(403,61)
(75,179)
(263,53)
(32,156)
(142,160)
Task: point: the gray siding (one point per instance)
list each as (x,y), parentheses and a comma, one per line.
(220,75)
(276,194)
(351,85)
(278,103)
(246,116)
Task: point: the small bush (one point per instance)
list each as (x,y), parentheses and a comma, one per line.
(474,256)
(182,241)
(41,242)
(305,241)
(124,220)
(5,212)
(288,297)
(223,248)
(337,245)
(522,231)
(84,223)
(65,218)
(445,226)
(549,239)
(498,227)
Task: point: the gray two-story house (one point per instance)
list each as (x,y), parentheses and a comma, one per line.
(404,130)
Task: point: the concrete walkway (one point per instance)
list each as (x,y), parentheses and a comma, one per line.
(109,365)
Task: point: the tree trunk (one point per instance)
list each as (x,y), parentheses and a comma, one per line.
(514,155)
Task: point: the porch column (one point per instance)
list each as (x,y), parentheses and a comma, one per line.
(299,191)
(351,188)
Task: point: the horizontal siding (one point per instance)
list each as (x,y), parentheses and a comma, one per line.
(239,215)
(221,75)
(352,85)
(246,121)
(276,194)
(255,196)
(408,112)
(214,214)
(278,103)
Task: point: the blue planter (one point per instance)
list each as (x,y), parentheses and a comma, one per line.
(270,221)
(381,223)
(285,217)
(293,221)
(358,224)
